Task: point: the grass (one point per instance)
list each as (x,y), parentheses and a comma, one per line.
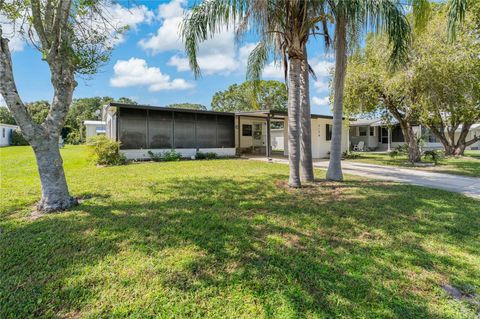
(468,165)
(227,239)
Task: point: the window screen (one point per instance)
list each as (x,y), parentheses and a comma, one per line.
(160,126)
(328,129)
(206,130)
(246,130)
(133,128)
(184,130)
(397,135)
(372,131)
(226,131)
(362,131)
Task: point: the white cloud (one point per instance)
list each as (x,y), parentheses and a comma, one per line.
(216,55)
(321,68)
(118,17)
(11,32)
(136,72)
(322,85)
(273,70)
(324,101)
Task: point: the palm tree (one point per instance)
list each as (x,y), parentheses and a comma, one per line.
(351,17)
(284,27)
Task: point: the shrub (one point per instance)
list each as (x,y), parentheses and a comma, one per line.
(350,155)
(156,157)
(167,156)
(394,153)
(211,155)
(73,138)
(208,156)
(105,151)
(18,139)
(171,156)
(200,156)
(434,155)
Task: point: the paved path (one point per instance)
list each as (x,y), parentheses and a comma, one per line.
(469,186)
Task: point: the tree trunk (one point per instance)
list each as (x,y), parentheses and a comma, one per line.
(414,153)
(306,163)
(294,73)
(335,166)
(43,138)
(55,194)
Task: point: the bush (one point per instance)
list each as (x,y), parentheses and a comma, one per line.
(105,151)
(434,155)
(73,138)
(171,156)
(350,155)
(167,156)
(208,156)
(18,139)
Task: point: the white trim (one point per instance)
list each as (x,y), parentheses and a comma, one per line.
(142,154)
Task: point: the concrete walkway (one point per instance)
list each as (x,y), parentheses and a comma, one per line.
(469,186)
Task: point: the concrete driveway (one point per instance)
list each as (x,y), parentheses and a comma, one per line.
(469,186)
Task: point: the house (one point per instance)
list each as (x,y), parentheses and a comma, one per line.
(6,132)
(376,135)
(143,128)
(94,128)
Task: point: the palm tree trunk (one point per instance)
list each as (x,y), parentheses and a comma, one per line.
(335,166)
(306,164)
(294,75)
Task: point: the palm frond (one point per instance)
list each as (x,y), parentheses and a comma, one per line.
(457,10)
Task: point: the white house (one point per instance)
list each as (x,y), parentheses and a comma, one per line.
(144,128)
(94,128)
(6,132)
(375,135)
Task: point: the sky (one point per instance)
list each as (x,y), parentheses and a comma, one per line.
(148,63)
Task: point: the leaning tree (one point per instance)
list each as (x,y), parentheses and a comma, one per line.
(74,38)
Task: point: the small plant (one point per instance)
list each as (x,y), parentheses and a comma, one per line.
(433,155)
(156,157)
(211,155)
(73,138)
(200,156)
(171,156)
(105,151)
(394,153)
(18,139)
(350,155)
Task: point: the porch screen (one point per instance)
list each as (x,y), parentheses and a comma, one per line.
(225,131)
(206,130)
(160,129)
(184,130)
(133,128)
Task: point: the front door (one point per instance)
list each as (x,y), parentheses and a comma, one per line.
(258,139)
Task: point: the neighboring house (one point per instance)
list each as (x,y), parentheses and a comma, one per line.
(94,128)
(141,128)
(6,132)
(376,135)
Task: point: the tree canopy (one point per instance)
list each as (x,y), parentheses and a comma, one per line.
(267,95)
(191,106)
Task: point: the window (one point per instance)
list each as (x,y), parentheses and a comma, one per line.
(372,131)
(133,128)
(246,130)
(328,135)
(206,131)
(160,129)
(3,132)
(397,135)
(225,131)
(184,130)
(362,131)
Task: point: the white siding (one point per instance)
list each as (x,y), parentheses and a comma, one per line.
(6,132)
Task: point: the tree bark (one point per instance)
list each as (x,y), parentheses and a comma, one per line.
(414,153)
(451,147)
(294,74)
(335,166)
(306,163)
(55,194)
(43,137)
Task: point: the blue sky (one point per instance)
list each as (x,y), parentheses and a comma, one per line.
(148,63)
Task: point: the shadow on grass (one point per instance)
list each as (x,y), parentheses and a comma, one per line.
(357,249)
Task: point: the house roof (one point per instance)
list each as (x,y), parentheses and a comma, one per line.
(277,114)
(151,107)
(368,122)
(9,125)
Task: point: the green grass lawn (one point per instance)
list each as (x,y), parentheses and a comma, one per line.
(227,239)
(468,165)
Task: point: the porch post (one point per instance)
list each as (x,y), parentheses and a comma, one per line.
(389,137)
(239,136)
(269,142)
